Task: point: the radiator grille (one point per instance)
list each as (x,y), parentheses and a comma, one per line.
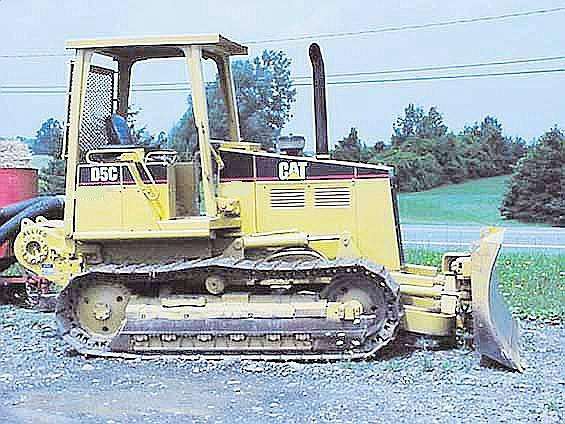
(332,197)
(284,198)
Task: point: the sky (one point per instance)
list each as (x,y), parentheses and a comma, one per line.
(526,105)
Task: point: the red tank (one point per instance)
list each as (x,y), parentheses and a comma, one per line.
(16,184)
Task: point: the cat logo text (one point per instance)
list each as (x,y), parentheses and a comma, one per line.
(291,170)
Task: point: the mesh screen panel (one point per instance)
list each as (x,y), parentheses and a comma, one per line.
(98,107)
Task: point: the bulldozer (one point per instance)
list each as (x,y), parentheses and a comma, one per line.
(239,251)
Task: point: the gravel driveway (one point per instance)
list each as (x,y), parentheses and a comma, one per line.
(42,381)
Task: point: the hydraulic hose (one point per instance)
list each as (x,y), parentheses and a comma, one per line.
(6,263)
(13,209)
(49,206)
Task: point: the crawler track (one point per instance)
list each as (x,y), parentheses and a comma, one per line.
(330,340)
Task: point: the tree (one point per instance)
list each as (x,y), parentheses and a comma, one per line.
(52,177)
(416,123)
(140,135)
(415,171)
(348,148)
(490,152)
(432,125)
(49,138)
(264,96)
(537,189)
(352,149)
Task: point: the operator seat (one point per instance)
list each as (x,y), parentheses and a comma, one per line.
(118,131)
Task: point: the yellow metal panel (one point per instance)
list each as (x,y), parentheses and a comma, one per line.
(431,271)
(415,280)
(98,208)
(291,206)
(376,229)
(323,208)
(140,234)
(417,320)
(197,226)
(328,247)
(116,208)
(197,223)
(425,303)
(220,222)
(137,211)
(245,193)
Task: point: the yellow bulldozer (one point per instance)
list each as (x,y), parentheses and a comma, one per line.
(241,251)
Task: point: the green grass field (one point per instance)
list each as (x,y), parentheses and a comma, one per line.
(533,284)
(471,202)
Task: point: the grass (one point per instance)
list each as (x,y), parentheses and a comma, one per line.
(471,202)
(532,283)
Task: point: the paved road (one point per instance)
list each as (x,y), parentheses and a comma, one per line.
(460,236)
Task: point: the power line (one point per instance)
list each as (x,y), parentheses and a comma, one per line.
(412,27)
(33,55)
(399,28)
(336,75)
(61,86)
(440,77)
(336,83)
(442,67)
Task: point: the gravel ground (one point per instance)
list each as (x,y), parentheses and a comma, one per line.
(42,381)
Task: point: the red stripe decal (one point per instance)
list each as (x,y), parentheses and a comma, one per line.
(321,177)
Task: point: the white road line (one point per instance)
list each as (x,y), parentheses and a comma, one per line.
(513,245)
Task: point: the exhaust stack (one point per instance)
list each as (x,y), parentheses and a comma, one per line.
(320,111)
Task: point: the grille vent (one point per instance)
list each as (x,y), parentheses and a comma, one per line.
(98,107)
(332,197)
(284,198)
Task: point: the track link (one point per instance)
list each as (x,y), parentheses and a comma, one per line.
(378,334)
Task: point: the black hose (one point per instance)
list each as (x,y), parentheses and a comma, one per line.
(13,209)
(6,263)
(49,206)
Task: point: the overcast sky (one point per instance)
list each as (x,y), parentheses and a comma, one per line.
(526,106)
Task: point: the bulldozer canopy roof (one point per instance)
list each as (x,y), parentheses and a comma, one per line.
(139,48)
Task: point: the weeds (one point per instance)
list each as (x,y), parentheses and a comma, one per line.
(532,283)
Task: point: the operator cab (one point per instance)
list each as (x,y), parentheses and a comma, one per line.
(102,154)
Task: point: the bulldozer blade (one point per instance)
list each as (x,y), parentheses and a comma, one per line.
(496,333)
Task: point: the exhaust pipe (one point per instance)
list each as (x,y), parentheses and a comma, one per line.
(320,111)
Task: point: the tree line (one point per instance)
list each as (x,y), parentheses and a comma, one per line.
(425,154)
